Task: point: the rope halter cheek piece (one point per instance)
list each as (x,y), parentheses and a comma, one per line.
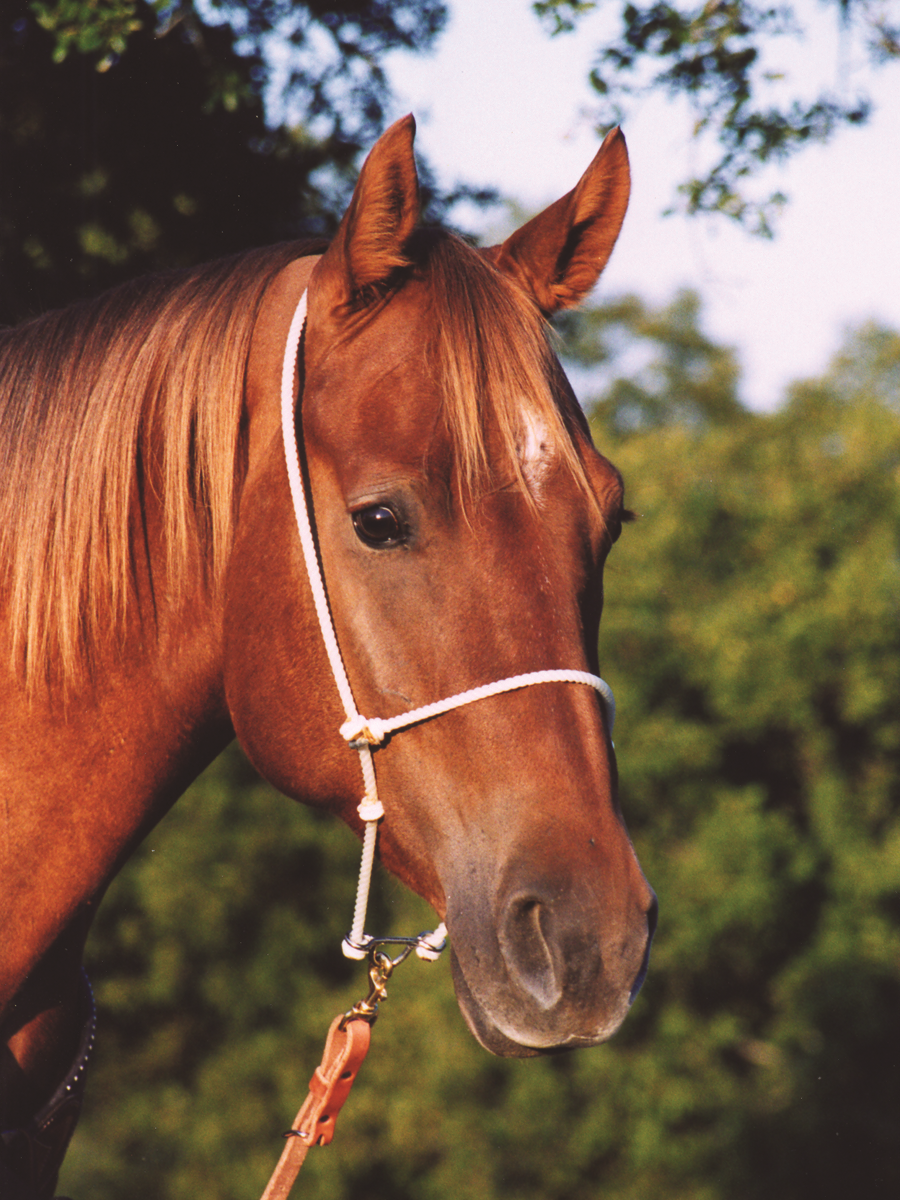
(364,733)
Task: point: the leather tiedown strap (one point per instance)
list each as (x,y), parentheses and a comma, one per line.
(345,1048)
(30,1158)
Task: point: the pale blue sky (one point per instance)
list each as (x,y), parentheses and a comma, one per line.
(501,103)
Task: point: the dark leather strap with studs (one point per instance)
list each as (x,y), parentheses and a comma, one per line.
(30,1158)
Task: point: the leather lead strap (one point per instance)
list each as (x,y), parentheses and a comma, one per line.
(345,1048)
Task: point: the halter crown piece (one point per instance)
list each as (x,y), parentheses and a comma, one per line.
(364,733)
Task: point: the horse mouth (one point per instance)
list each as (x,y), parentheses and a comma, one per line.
(511,1029)
(543,979)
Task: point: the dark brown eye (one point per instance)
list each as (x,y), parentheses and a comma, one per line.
(378,525)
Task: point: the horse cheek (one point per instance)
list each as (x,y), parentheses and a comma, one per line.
(278,686)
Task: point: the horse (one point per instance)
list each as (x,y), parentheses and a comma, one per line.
(155,605)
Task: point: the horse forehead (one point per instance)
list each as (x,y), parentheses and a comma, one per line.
(379,393)
(361,351)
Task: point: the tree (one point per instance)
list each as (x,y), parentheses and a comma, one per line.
(722,57)
(136,136)
(751,634)
(673,374)
(754,641)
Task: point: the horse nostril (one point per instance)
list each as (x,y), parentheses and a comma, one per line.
(526,951)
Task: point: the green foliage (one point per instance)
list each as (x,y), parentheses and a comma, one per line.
(657,368)
(752,637)
(721,57)
(89,27)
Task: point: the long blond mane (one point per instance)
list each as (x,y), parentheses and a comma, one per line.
(142,387)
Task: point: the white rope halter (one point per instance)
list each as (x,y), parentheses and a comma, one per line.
(362,733)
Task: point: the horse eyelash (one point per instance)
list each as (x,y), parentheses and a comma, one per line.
(624,517)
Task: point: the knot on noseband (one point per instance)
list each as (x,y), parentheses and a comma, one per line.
(369,809)
(363,731)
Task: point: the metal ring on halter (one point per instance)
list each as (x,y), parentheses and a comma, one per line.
(427,946)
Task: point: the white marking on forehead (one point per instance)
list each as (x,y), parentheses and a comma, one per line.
(535,450)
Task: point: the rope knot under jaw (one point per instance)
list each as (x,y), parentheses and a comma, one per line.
(370,810)
(363,731)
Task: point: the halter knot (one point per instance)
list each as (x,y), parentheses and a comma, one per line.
(429,946)
(370,810)
(363,731)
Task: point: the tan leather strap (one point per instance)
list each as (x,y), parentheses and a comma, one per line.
(345,1048)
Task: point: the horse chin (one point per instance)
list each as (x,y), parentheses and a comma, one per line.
(500,1035)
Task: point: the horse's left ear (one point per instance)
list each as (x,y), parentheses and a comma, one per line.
(384,210)
(558,256)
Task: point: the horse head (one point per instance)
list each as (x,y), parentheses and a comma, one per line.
(462,518)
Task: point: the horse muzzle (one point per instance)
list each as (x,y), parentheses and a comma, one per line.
(556,969)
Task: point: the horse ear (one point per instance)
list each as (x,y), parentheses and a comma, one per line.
(369,244)
(558,256)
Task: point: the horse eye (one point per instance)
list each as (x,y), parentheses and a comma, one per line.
(377,525)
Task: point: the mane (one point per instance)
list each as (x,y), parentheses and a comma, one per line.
(497,369)
(141,388)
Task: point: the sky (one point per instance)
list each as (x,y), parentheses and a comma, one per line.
(501,103)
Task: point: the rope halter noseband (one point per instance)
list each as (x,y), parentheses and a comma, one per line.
(364,733)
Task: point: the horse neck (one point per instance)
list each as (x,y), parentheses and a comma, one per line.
(86,771)
(93,757)
(147,703)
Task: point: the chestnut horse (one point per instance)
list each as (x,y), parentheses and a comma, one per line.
(155,604)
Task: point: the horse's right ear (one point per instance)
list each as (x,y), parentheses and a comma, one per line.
(370,242)
(558,256)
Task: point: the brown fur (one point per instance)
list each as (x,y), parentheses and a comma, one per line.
(140,456)
(383,212)
(559,254)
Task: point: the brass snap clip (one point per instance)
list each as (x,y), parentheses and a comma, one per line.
(381,967)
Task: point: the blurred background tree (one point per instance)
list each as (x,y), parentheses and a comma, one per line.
(752,637)
(758,87)
(137,136)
